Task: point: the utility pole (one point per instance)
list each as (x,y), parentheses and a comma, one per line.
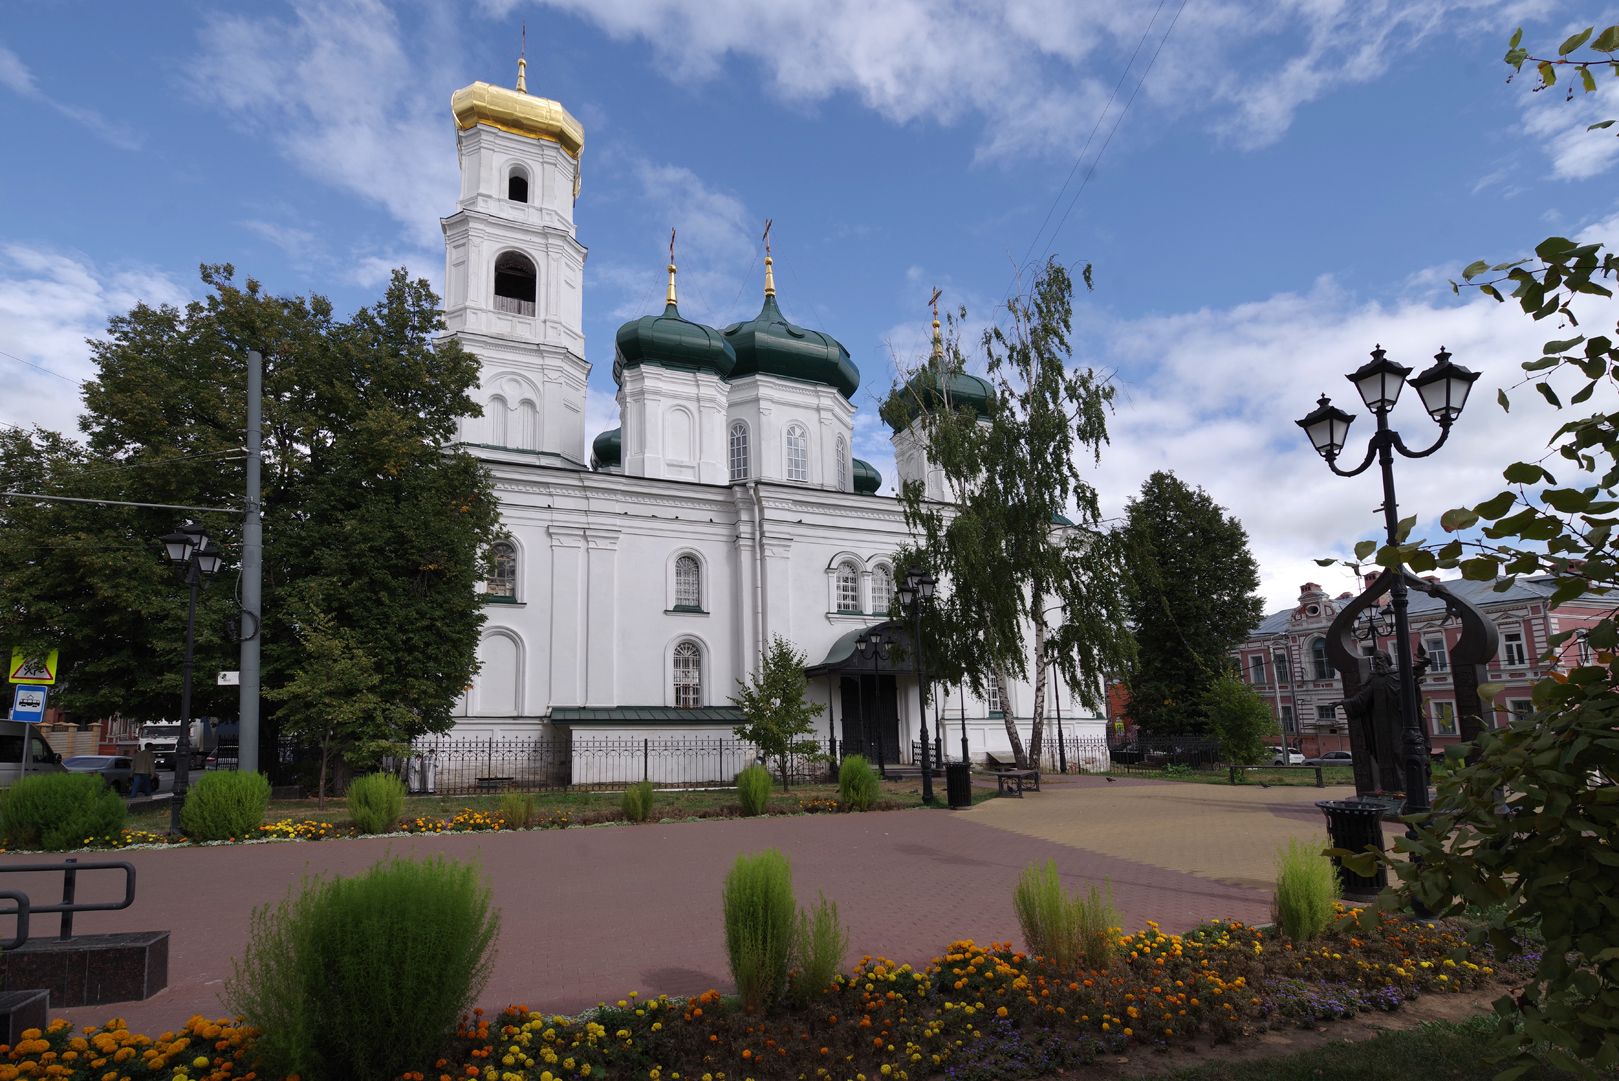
(247,750)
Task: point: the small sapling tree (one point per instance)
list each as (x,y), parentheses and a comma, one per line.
(777,718)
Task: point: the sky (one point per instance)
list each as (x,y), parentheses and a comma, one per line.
(1266,191)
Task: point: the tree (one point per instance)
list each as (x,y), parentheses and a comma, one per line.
(772,702)
(1525,823)
(1239,719)
(1012,562)
(1191,601)
(370,516)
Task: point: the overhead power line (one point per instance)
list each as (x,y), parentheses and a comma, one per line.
(115,502)
(47,371)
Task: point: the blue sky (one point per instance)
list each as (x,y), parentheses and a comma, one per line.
(1291,183)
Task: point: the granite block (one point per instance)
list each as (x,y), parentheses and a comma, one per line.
(21,1011)
(89,970)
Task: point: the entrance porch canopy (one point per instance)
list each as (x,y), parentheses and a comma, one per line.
(843,659)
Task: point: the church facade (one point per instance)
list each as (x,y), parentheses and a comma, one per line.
(645,571)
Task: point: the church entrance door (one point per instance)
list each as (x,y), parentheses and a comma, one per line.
(871,717)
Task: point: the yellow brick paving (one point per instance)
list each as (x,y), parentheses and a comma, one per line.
(1221,832)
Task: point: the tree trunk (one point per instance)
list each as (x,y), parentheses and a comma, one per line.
(783,763)
(1019,757)
(320,790)
(1041,666)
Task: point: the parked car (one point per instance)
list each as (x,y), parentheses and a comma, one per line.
(114,769)
(1331,758)
(24,751)
(1286,757)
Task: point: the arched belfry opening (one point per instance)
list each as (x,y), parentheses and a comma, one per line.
(517,186)
(514,284)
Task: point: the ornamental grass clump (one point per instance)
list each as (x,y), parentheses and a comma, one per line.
(518,809)
(857,783)
(759,925)
(226,805)
(59,811)
(1306,889)
(1047,915)
(365,977)
(637,801)
(376,801)
(820,943)
(753,788)
(1098,921)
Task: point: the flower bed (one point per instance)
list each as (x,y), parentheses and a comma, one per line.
(976,1013)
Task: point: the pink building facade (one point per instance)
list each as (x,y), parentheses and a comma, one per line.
(1285,659)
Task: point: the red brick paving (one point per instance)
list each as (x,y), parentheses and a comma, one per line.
(592,914)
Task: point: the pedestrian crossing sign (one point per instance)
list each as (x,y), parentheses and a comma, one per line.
(32,668)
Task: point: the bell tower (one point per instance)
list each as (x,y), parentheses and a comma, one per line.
(514,270)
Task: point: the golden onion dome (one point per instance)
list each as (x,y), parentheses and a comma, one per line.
(518,113)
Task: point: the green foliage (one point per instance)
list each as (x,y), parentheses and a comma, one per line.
(759,925)
(820,943)
(365,977)
(1239,719)
(1098,921)
(1020,536)
(517,809)
(777,718)
(636,803)
(370,514)
(376,801)
(225,805)
(1192,598)
(1306,887)
(1067,929)
(858,786)
(59,811)
(753,788)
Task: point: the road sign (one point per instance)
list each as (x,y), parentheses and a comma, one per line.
(29,704)
(229,679)
(25,669)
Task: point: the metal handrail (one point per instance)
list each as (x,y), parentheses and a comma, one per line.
(70,869)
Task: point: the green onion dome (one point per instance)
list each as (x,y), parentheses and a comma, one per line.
(929,388)
(866,479)
(672,342)
(770,345)
(607,449)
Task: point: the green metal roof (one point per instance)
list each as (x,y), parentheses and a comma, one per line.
(770,345)
(644,715)
(607,449)
(931,388)
(670,341)
(866,478)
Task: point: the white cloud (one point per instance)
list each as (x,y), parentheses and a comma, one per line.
(1560,127)
(14,75)
(50,303)
(348,99)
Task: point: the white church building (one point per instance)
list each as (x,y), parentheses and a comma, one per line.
(648,567)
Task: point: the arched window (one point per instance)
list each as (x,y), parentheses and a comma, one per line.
(497,420)
(517,186)
(503,571)
(994,699)
(739,451)
(848,585)
(797,453)
(1318,655)
(843,464)
(514,284)
(688,582)
(882,590)
(688,676)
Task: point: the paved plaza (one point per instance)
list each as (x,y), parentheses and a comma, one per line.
(594,913)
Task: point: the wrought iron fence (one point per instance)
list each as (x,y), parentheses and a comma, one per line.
(1074,754)
(1153,754)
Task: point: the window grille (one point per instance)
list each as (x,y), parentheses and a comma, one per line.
(882,590)
(995,700)
(503,573)
(739,451)
(843,465)
(848,585)
(797,454)
(688,676)
(688,579)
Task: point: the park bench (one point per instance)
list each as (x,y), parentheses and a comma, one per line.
(1013,780)
(1319,781)
(495,784)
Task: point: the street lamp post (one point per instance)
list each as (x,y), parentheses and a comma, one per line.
(917,591)
(191,553)
(871,643)
(1443,388)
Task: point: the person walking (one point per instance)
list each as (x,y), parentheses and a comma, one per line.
(143,773)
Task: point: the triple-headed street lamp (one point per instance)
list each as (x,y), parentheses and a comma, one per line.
(917,591)
(1443,388)
(197,560)
(874,644)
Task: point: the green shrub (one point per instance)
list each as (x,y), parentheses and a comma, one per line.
(1047,918)
(820,943)
(858,786)
(1097,921)
(637,801)
(59,811)
(226,805)
(753,788)
(517,809)
(759,925)
(1306,887)
(376,801)
(365,977)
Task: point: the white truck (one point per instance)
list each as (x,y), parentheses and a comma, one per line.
(164,736)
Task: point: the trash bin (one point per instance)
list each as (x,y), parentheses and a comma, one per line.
(958,784)
(1353,826)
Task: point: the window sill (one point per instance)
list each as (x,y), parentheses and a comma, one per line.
(511,602)
(853,617)
(685,610)
(997,715)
